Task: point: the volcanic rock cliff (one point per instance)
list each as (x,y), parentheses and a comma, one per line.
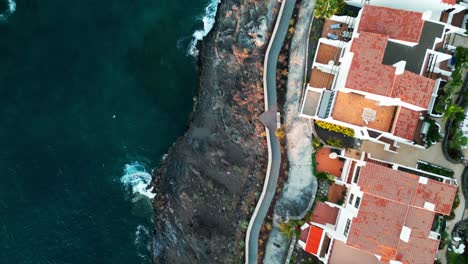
(209,184)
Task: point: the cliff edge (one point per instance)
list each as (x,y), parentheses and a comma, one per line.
(208,185)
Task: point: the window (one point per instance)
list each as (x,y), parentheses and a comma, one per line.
(358,202)
(356,175)
(346,230)
(351,197)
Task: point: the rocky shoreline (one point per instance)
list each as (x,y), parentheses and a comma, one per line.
(209,183)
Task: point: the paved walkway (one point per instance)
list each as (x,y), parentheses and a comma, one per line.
(274,151)
(301,184)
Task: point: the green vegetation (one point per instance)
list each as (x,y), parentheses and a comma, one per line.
(325,176)
(454,112)
(433,134)
(316,143)
(335,142)
(458,140)
(314,164)
(327,8)
(454,258)
(445,102)
(435,169)
(291,227)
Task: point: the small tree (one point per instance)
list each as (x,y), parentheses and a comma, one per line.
(452,111)
(458,140)
(288,228)
(327,8)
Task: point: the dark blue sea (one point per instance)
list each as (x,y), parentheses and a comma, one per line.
(92,95)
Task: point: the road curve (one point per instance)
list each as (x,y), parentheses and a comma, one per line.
(274,152)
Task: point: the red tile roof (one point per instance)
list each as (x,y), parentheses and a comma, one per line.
(398,24)
(417,250)
(451,2)
(313,240)
(414,89)
(406,123)
(324,214)
(420,221)
(387,183)
(437,193)
(377,227)
(367,73)
(405,188)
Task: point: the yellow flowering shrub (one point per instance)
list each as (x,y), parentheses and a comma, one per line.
(335,128)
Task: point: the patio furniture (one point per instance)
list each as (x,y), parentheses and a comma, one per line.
(346,34)
(336,26)
(332,36)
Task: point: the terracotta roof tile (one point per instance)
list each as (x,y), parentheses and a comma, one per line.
(406,123)
(393,199)
(420,221)
(414,89)
(377,227)
(405,187)
(367,73)
(417,250)
(437,193)
(398,24)
(324,214)
(388,183)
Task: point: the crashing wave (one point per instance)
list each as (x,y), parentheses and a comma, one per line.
(208,23)
(11,9)
(137,179)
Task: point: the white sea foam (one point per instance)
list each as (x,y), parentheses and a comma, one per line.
(137,179)
(142,242)
(11,9)
(208,23)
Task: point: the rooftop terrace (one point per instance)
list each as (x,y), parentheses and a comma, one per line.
(356,109)
(327,53)
(321,79)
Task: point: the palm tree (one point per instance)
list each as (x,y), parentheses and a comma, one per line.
(458,140)
(288,228)
(453,111)
(327,8)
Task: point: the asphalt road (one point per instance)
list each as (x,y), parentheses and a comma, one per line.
(270,73)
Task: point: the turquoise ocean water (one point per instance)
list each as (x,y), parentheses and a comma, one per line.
(92,94)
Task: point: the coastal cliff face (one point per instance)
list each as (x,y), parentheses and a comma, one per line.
(209,184)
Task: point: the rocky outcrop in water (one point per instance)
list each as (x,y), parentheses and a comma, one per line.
(209,183)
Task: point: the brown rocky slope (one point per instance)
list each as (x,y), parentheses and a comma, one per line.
(208,185)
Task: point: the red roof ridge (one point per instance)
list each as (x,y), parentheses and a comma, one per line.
(396,23)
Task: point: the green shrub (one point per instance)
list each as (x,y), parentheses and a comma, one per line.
(316,143)
(322,176)
(435,169)
(314,164)
(335,142)
(433,134)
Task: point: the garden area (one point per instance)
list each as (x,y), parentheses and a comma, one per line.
(457,252)
(335,135)
(433,135)
(432,168)
(454,110)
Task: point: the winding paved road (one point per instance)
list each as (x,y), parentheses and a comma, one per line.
(274,152)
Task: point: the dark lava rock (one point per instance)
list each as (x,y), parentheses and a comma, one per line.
(208,185)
